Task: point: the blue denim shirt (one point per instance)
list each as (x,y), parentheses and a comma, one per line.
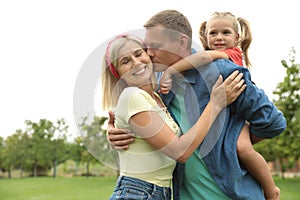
(218,150)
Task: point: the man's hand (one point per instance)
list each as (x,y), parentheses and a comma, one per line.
(119,139)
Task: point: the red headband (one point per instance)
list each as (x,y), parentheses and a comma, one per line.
(111,67)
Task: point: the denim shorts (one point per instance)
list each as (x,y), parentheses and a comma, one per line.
(132,188)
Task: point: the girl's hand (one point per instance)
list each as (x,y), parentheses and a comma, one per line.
(165,83)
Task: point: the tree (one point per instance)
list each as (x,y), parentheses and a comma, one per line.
(47,140)
(57,147)
(16,152)
(285,148)
(93,136)
(1,153)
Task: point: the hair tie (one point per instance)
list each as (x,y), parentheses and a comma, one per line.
(111,67)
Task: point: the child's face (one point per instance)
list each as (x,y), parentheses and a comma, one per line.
(221,35)
(134,64)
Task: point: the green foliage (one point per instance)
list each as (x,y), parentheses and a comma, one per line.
(37,149)
(16,153)
(1,152)
(47,144)
(288,91)
(43,146)
(93,137)
(285,148)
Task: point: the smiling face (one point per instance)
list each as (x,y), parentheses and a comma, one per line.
(221,35)
(134,65)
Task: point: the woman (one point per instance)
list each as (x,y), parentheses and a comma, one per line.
(129,87)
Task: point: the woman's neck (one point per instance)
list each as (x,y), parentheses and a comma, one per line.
(148,88)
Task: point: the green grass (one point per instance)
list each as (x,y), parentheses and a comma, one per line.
(289,187)
(47,188)
(92,188)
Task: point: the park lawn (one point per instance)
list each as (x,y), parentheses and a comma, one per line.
(100,188)
(289,188)
(48,188)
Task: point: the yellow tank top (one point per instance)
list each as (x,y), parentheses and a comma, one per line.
(141,160)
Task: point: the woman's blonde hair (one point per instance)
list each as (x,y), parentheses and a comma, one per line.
(112,84)
(240,26)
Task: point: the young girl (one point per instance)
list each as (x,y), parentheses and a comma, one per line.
(225,36)
(129,87)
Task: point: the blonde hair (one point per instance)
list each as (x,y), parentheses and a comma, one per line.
(112,86)
(240,26)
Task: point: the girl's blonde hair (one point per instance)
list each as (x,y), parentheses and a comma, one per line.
(112,84)
(240,26)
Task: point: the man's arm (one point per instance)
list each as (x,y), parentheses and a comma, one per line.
(119,139)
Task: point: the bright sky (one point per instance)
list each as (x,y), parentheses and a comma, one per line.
(43,45)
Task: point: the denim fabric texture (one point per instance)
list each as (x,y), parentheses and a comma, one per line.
(218,150)
(131,188)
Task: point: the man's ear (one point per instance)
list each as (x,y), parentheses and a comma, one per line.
(183,42)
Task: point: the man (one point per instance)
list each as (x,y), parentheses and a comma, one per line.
(213,171)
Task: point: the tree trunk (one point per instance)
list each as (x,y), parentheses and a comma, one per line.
(282,168)
(21,172)
(9,173)
(35,168)
(277,167)
(76,168)
(88,169)
(54,163)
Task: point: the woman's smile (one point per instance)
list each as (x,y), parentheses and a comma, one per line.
(140,70)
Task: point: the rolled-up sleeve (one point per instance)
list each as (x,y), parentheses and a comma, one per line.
(253,105)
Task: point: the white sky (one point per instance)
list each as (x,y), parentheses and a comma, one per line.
(43,45)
